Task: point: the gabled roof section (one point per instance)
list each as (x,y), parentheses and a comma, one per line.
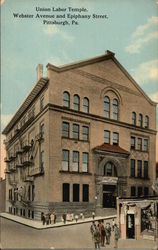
(32,95)
(111,148)
(108,55)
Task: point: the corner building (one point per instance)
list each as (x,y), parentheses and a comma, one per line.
(82,137)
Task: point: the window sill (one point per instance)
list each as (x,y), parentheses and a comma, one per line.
(75,172)
(142,178)
(138,150)
(75,140)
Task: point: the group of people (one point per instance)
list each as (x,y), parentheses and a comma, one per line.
(102,232)
(48,218)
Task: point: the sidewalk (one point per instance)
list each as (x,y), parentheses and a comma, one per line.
(38,224)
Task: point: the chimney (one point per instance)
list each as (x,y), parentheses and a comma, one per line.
(39,71)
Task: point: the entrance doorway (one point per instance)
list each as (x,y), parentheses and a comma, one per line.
(109,199)
(130,227)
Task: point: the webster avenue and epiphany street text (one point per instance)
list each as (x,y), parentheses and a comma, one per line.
(60,16)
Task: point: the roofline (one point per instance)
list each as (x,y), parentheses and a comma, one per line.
(108,54)
(40,84)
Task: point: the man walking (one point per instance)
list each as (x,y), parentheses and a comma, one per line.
(96,237)
(116,235)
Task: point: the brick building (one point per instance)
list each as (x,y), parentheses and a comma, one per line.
(83,136)
(2,194)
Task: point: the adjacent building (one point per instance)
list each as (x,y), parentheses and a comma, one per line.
(83,136)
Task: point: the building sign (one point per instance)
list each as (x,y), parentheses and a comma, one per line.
(109,180)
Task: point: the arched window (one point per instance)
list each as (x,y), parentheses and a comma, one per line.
(140,120)
(107,107)
(76,103)
(133,118)
(115,109)
(66,99)
(110,169)
(85,105)
(146,121)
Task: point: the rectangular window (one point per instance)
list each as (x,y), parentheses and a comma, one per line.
(145,169)
(115,138)
(75,161)
(75,131)
(42,160)
(132,168)
(106,136)
(145,144)
(85,194)
(146,191)
(32,214)
(85,133)
(139,169)
(42,130)
(139,144)
(133,191)
(132,142)
(65,160)
(66,192)
(76,190)
(29,193)
(84,162)
(33,192)
(41,103)
(28,213)
(140,191)
(24,212)
(65,129)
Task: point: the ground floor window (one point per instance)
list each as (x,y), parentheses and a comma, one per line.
(133,191)
(146,191)
(66,192)
(32,214)
(24,212)
(140,191)
(85,192)
(76,192)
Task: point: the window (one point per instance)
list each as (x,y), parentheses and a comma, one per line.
(132,168)
(85,194)
(139,169)
(42,160)
(140,191)
(133,118)
(85,105)
(41,103)
(24,212)
(139,144)
(107,107)
(32,214)
(115,138)
(33,192)
(145,169)
(84,162)
(29,213)
(132,142)
(133,191)
(146,191)
(65,160)
(65,129)
(146,122)
(29,193)
(66,192)
(145,144)
(115,109)
(106,136)
(108,169)
(66,99)
(140,120)
(76,103)
(42,129)
(75,161)
(85,133)
(76,192)
(75,131)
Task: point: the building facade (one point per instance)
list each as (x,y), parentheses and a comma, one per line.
(83,136)
(2,195)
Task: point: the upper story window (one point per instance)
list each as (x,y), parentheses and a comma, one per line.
(85,105)
(42,160)
(75,161)
(107,107)
(115,109)
(132,168)
(109,169)
(106,136)
(65,160)
(76,102)
(115,138)
(133,118)
(140,120)
(75,131)
(139,147)
(66,99)
(145,144)
(145,169)
(133,139)
(146,122)
(41,103)
(85,162)
(85,133)
(139,168)
(65,129)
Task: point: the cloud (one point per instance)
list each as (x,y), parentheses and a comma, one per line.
(53,30)
(143,35)
(146,71)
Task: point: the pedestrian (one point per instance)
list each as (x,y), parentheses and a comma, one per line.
(92,228)
(108,233)
(103,235)
(55,217)
(116,235)
(96,238)
(47,219)
(51,218)
(100,226)
(64,218)
(43,219)
(113,223)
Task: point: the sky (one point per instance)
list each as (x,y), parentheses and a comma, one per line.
(129,29)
